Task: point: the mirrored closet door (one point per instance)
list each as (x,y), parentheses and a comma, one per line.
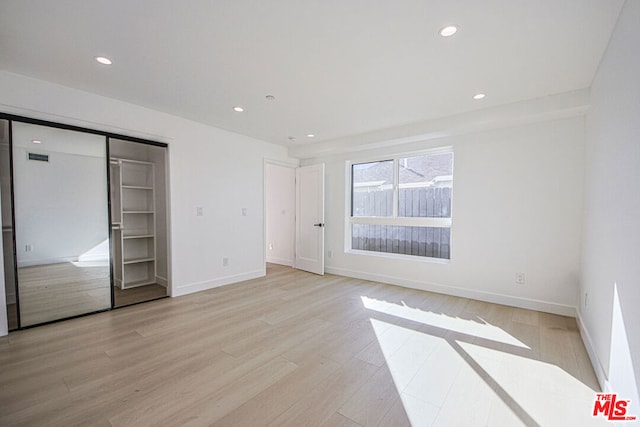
(85,224)
(7,227)
(61,222)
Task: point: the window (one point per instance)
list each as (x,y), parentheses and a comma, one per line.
(403,205)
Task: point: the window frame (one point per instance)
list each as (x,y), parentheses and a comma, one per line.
(394,219)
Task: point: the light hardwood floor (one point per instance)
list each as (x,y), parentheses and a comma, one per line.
(297,349)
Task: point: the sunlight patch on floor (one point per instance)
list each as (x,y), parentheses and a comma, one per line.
(545,392)
(445,381)
(91,264)
(477,328)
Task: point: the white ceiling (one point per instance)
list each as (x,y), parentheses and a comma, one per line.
(336,67)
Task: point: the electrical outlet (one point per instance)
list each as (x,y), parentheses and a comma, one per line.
(225,262)
(329,254)
(520,278)
(28,248)
(586,299)
(244,211)
(270,246)
(199,211)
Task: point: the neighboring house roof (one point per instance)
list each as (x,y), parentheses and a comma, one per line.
(412,169)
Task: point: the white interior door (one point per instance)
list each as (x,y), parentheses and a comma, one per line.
(310,219)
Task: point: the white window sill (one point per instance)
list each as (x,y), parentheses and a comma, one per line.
(403,257)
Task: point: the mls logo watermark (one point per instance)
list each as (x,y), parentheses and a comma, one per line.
(610,407)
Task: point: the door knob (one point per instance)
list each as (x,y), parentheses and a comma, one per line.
(318,225)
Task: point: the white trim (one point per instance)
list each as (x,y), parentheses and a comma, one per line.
(190,288)
(402,221)
(283,163)
(396,189)
(392,255)
(168,227)
(280,261)
(598,368)
(48,261)
(397,155)
(162,281)
(527,303)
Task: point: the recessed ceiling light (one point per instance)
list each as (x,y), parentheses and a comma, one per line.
(479,96)
(292,138)
(270,97)
(448,31)
(104,60)
(311,135)
(36,141)
(238,109)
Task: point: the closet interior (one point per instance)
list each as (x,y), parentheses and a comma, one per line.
(138,221)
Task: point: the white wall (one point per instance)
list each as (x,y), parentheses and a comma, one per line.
(280,203)
(612,213)
(209,167)
(517,203)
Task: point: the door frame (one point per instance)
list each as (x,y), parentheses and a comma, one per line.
(294,164)
(282,163)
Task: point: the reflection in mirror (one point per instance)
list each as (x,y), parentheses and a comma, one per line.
(61,220)
(7,226)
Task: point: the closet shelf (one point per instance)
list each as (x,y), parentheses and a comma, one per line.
(136,187)
(139,283)
(138,260)
(137,212)
(138,236)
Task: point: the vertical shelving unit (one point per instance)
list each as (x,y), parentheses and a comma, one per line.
(133,219)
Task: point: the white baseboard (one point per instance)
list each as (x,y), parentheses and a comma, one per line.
(531,304)
(280,261)
(47,261)
(162,281)
(210,284)
(601,374)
